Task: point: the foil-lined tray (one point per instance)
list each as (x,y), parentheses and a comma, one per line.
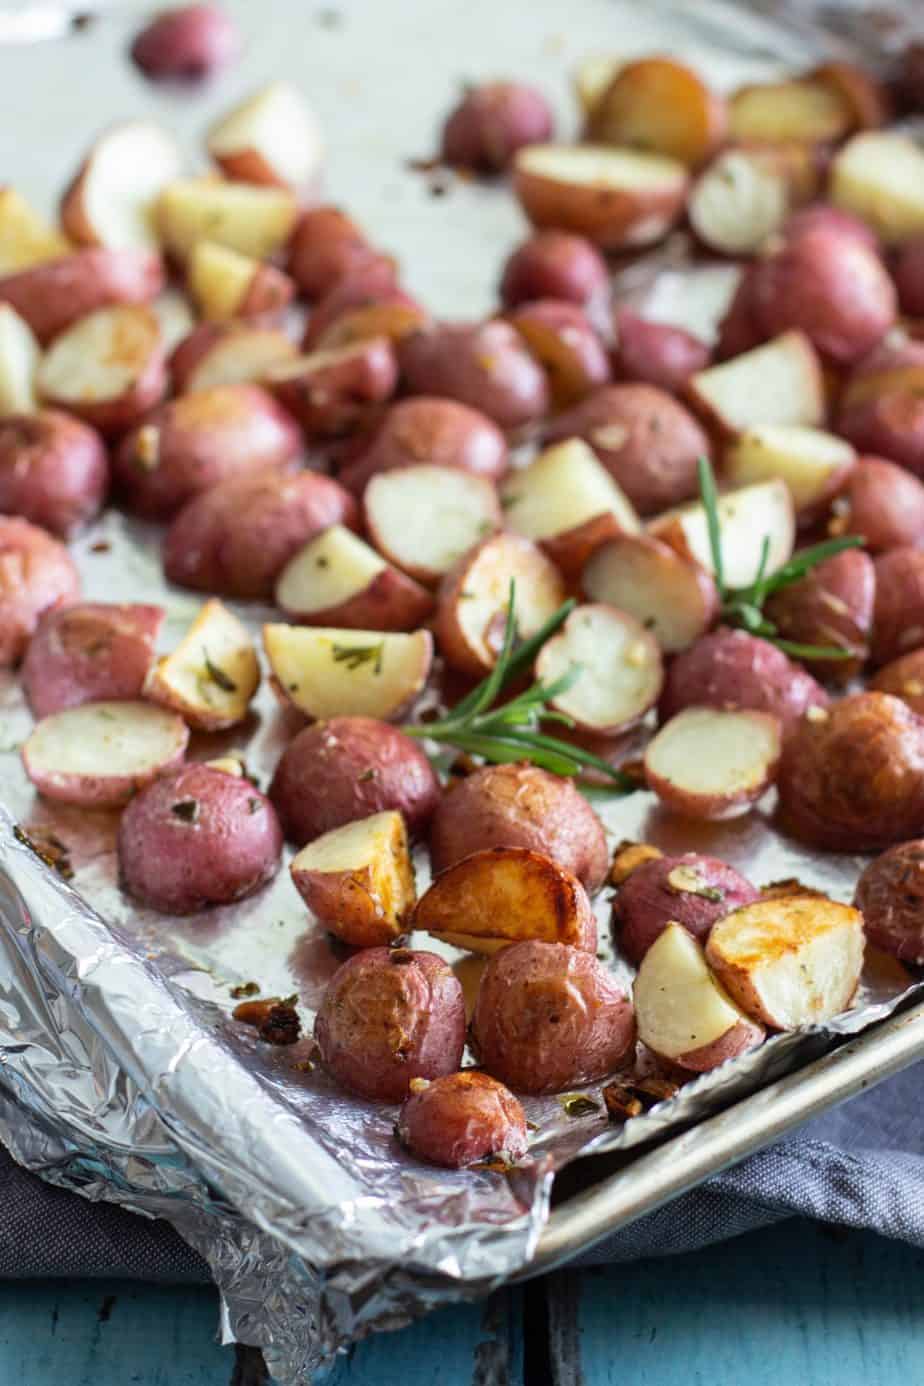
(123,1076)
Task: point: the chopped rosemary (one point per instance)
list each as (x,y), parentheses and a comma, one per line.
(218,676)
(578,1104)
(355,656)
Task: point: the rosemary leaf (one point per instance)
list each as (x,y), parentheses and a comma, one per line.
(710,501)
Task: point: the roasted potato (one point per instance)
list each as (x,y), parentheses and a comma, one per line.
(338,580)
(662,106)
(620,669)
(559,265)
(423,518)
(816,466)
(877,176)
(898,614)
(881,409)
(252,218)
(358,880)
(19,358)
(110,200)
(831,606)
(903,678)
(108,368)
(53,470)
(764,506)
(272,137)
(692,890)
(212,675)
(441,432)
(53,295)
(493,121)
(890,896)
(226,286)
(673,597)
(36,575)
(390,1015)
(656,353)
(226,353)
(885,505)
(333,392)
(741,764)
(780,382)
(188,43)
(484,365)
(326,246)
(364,303)
(567,346)
(327,671)
(89,652)
(743,196)
(462,1118)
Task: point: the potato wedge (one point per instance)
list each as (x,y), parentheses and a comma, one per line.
(53,295)
(811,112)
(358,880)
(879,176)
(19,357)
(815,465)
(673,597)
(254,220)
(272,137)
(741,199)
(111,200)
(868,100)
(212,675)
(567,345)
(99,754)
(108,369)
(26,239)
(331,672)
(779,383)
(231,353)
(504,895)
(338,580)
(224,284)
(712,763)
(791,961)
(567,502)
(661,106)
(683,1014)
(424,518)
(334,391)
(620,670)
(746,517)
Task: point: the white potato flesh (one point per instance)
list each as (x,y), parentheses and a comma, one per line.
(711,762)
(879,176)
(101,357)
(779,111)
(807,459)
(424,518)
(19,357)
(747,517)
(779,383)
(277,125)
(620,668)
(255,220)
(679,1005)
(367,842)
(565,486)
(592,77)
(329,672)
(212,674)
(481,602)
(791,961)
(247,355)
(100,753)
(26,239)
(218,279)
(122,179)
(694,299)
(327,572)
(175,316)
(602,166)
(738,202)
(649,581)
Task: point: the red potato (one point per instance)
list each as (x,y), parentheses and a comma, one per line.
(560,336)
(395,317)
(731,669)
(26,238)
(212,675)
(662,106)
(764,509)
(198,440)
(53,296)
(816,466)
(272,137)
(492,122)
(692,890)
(908,274)
(802,109)
(333,391)
(890,896)
(520,806)
(568,503)
(372,284)
(549,1017)
(868,100)
(99,754)
(236,537)
(108,368)
(778,383)
(908,79)
(620,666)
(461,1119)
(646,440)
(472,600)
(484,365)
(693,298)
(423,518)
(742,754)
(358,880)
(89,652)
(881,410)
(191,42)
(195,838)
(673,598)
(37,574)
(738,330)
(903,678)
(852,776)
(326,246)
(898,618)
(251,218)
(53,470)
(789,962)
(743,197)
(684,1015)
(655,353)
(559,265)
(19,358)
(390,1015)
(338,580)
(822,216)
(326,670)
(110,201)
(833,606)
(617,198)
(442,432)
(225,285)
(877,175)
(346,768)
(228,353)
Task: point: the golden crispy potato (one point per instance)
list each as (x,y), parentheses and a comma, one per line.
(358,879)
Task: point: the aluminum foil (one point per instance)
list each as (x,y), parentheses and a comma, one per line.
(123,1077)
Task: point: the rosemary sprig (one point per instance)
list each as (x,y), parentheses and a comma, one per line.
(744,606)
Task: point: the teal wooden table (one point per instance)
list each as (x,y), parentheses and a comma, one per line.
(795,1305)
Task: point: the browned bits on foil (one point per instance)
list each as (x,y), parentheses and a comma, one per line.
(275,1019)
(627,1100)
(49,849)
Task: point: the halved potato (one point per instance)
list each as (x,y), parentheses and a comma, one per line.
(879,176)
(814,465)
(746,517)
(99,754)
(778,383)
(26,239)
(19,357)
(683,1014)
(504,895)
(423,518)
(112,198)
(338,580)
(359,880)
(212,674)
(333,391)
(246,217)
(228,354)
(567,502)
(673,597)
(620,669)
(740,200)
(713,763)
(868,100)
(662,106)
(108,368)
(225,284)
(789,961)
(272,137)
(328,672)
(812,112)
(617,197)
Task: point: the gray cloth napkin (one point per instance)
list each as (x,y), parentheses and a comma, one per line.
(861,1165)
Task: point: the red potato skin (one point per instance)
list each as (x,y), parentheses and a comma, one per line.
(114,415)
(881,410)
(37,574)
(822,216)
(908,274)
(229,850)
(370,283)
(347,768)
(492,122)
(441,432)
(739,331)
(885,506)
(392,602)
(390,1015)
(903,678)
(484,365)
(561,338)
(890,896)
(193,350)
(89,652)
(831,605)
(646,440)
(53,295)
(54,471)
(333,398)
(187,44)
(326,247)
(198,440)
(898,618)
(520,806)
(646,902)
(549,1017)
(731,669)
(745,1035)
(268,295)
(613,219)
(235,538)
(558,265)
(654,353)
(462,1118)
